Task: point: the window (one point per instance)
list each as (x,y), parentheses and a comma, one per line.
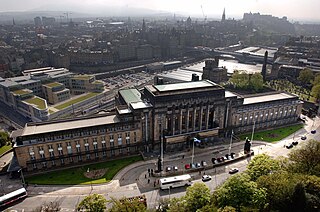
(62,161)
(32,157)
(88,156)
(44,164)
(104,153)
(96,155)
(79,158)
(119,139)
(112,152)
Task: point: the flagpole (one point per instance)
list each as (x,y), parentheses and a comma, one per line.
(230,142)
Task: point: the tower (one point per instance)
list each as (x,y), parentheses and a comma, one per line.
(264,66)
(143,26)
(223,15)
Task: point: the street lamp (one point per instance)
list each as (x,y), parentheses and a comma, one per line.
(22,177)
(230,142)
(254,125)
(88,170)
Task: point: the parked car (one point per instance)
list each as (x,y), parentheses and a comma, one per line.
(168,169)
(175,168)
(233,155)
(289,146)
(213,160)
(233,170)
(313,131)
(206,178)
(193,165)
(187,166)
(198,165)
(303,137)
(295,143)
(203,163)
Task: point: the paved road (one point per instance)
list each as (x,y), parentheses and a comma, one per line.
(131,180)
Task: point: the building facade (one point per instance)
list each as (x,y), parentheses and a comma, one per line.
(173,114)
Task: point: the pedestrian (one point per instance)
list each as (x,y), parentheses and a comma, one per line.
(149,174)
(145,176)
(158,182)
(154,184)
(148,181)
(182,156)
(199,172)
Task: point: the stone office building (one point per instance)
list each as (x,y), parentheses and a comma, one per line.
(172,113)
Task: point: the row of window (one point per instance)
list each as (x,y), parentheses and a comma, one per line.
(79,158)
(87,145)
(83,133)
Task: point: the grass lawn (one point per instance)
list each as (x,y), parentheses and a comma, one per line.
(38,102)
(5,148)
(76,100)
(74,176)
(273,135)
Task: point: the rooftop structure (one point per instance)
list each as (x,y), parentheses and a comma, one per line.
(267,98)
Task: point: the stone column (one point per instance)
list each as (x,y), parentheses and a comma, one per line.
(187,121)
(207,116)
(200,118)
(180,122)
(194,119)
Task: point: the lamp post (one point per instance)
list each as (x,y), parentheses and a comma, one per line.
(192,157)
(230,142)
(254,125)
(88,170)
(161,138)
(22,177)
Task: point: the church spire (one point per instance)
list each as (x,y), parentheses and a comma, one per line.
(224,15)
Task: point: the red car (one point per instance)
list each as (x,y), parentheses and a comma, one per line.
(187,166)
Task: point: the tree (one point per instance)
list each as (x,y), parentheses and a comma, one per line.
(127,205)
(280,187)
(315,91)
(48,207)
(256,81)
(238,191)
(262,165)
(4,138)
(93,203)
(197,197)
(306,159)
(316,79)
(305,76)
(240,79)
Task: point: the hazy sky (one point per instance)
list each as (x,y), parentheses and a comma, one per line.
(293,9)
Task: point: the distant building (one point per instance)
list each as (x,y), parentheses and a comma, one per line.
(223,15)
(48,21)
(37,21)
(29,94)
(213,72)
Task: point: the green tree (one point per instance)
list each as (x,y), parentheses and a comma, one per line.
(256,81)
(280,187)
(316,79)
(315,91)
(240,79)
(306,159)
(4,139)
(127,205)
(306,76)
(197,197)
(93,203)
(238,191)
(262,165)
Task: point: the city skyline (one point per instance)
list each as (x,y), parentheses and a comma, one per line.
(295,10)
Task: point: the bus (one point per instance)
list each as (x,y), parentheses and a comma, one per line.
(14,196)
(176,181)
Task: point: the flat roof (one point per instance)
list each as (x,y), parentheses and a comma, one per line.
(37,102)
(39,128)
(230,94)
(184,86)
(180,75)
(267,98)
(53,84)
(21,92)
(140,105)
(130,95)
